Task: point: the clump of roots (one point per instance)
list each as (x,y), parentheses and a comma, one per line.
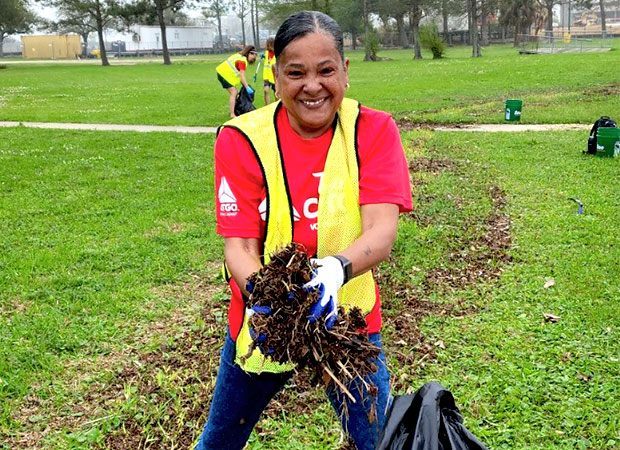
(341,354)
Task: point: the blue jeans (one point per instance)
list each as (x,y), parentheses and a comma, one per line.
(240,398)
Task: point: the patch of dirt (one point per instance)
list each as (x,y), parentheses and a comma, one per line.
(405,124)
(16,305)
(481,259)
(604,89)
(431,165)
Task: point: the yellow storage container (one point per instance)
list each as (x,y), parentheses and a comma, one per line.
(51,46)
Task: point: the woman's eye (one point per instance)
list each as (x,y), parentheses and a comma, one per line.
(295,74)
(327,71)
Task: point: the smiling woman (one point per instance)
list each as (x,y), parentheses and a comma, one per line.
(314,161)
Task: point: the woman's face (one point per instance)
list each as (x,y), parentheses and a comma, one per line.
(311,81)
(251,57)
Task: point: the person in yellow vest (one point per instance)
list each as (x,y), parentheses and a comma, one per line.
(269,82)
(318,169)
(231,74)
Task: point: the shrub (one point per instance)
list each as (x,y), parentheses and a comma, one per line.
(430,39)
(371,45)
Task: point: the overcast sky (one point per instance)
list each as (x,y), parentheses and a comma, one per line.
(50,13)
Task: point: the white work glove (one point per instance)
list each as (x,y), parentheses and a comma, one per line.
(328,278)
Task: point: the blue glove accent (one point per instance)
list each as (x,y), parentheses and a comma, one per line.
(254,78)
(262,55)
(320,308)
(249,287)
(250,90)
(269,351)
(258,338)
(261,309)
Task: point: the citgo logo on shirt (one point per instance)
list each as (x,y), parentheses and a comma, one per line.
(310,207)
(228,201)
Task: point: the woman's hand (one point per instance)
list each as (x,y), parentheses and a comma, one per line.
(328,278)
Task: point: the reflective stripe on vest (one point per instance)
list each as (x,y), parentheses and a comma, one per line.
(339,214)
(228,70)
(268,71)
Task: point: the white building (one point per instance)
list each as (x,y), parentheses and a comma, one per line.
(148,38)
(12,44)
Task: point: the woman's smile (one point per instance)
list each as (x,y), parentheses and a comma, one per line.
(314,103)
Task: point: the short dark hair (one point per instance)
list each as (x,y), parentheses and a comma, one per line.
(304,22)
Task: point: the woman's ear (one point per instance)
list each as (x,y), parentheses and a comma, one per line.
(276,80)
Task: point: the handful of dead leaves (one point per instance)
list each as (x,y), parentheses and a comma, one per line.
(340,354)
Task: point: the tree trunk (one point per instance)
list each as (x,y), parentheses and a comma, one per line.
(484,29)
(243,25)
(257,45)
(353,39)
(162,27)
(549,29)
(402,34)
(85,45)
(444,16)
(414,19)
(475,44)
(1,45)
(367,55)
(252,21)
(603,17)
(219,30)
(417,51)
(516,38)
(99,20)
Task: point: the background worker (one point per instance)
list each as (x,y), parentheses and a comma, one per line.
(315,161)
(268,78)
(231,73)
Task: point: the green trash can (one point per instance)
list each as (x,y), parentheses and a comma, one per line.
(513,110)
(608,142)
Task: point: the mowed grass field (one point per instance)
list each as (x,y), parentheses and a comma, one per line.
(112,314)
(566,88)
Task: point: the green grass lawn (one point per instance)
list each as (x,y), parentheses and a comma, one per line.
(91,223)
(566,88)
(109,257)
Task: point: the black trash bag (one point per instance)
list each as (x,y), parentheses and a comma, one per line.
(244,102)
(426,420)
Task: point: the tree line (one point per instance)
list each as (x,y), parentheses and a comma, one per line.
(359,18)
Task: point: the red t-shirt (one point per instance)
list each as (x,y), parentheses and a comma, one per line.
(240,65)
(241,194)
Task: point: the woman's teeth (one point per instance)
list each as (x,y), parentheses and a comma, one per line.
(317,102)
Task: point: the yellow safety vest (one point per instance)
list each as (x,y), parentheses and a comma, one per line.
(267,69)
(339,213)
(229,71)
